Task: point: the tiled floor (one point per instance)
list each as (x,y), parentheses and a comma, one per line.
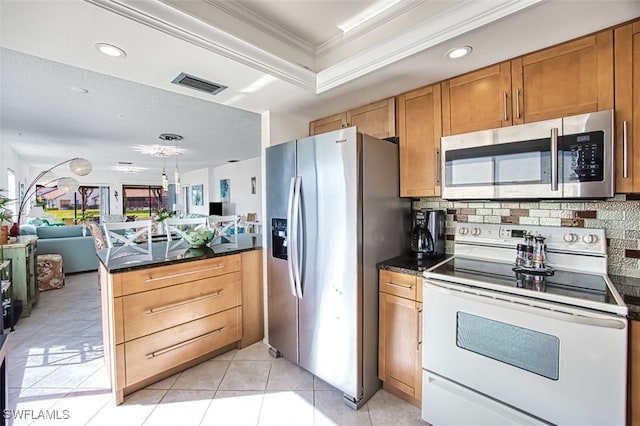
(57,377)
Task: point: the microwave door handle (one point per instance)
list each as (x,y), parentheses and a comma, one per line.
(554,159)
(625,150)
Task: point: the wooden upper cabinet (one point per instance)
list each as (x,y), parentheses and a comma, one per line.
(479,100)
(328,124)
(572,78)
(377,119)
(627,108)
(420,129)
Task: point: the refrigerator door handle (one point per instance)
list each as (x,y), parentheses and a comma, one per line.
(290,248)
(295,236)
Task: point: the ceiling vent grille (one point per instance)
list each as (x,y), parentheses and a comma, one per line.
(187,80)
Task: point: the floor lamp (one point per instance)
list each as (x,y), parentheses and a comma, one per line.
(78,166)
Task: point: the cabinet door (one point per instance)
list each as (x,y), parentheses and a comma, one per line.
(327,124)
(252,298)
(478,100)
(627,105)
(400,344)
(572,78)
(420,129)
(377,119)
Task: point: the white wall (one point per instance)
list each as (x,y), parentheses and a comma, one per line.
(239,175)
(9,159)
(196,177)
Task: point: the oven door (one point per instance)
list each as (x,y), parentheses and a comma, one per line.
(525,353)
(511,162)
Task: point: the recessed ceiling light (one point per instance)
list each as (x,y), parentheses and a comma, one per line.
(110,50)
(459,52)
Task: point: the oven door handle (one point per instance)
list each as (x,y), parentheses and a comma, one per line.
(534,307)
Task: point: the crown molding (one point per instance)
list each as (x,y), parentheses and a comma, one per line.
(467,16)
(163,17)
(382,18)
(267,27)
(464,18)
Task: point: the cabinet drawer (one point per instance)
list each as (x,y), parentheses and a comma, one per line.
(155,310)
(153,354)
(164,276)
(402,285)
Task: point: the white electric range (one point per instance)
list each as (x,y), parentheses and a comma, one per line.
(503,347)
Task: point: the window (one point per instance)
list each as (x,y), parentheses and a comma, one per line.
(12,193)
(71,208)
(141,201)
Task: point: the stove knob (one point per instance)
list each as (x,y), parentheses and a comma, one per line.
(463,230)
(590,238)
(571,237)
(475,231)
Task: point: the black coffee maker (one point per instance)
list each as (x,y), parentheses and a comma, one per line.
(427,233)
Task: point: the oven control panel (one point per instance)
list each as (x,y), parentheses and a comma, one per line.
(562,239)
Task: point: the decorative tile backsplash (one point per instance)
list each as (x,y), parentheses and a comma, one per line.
(619,216)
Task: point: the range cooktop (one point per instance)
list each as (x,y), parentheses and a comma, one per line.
(578,289)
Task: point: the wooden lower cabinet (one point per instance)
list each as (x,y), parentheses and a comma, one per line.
(400,339)
(162,320)
(252,299)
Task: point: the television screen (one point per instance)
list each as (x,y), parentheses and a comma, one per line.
(215,208)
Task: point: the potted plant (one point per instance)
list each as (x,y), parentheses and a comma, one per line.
(5,216)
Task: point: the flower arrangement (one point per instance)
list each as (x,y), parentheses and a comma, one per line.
(5,213)
(160,214)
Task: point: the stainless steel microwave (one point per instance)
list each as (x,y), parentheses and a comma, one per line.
(569,157)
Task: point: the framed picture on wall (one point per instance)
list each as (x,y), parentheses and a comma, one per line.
(253,184)
(197,195)
(225,189)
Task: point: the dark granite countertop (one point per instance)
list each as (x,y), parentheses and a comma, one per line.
(129,258)
(409,264)
(629,289)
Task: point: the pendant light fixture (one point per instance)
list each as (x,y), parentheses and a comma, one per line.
(165,181)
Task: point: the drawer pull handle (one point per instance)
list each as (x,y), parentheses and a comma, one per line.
(185,343)
(403,286)
(184,303)
(182,274)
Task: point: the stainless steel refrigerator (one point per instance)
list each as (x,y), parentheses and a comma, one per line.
(334,209)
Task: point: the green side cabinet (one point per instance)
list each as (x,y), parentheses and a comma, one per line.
(25,285)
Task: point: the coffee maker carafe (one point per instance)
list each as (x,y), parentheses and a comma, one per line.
(427,233)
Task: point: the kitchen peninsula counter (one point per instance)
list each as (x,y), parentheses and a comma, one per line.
(130,258)
(167,306)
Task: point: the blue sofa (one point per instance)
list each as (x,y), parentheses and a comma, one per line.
(78,251)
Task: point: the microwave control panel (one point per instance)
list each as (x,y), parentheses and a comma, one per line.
(584,156)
